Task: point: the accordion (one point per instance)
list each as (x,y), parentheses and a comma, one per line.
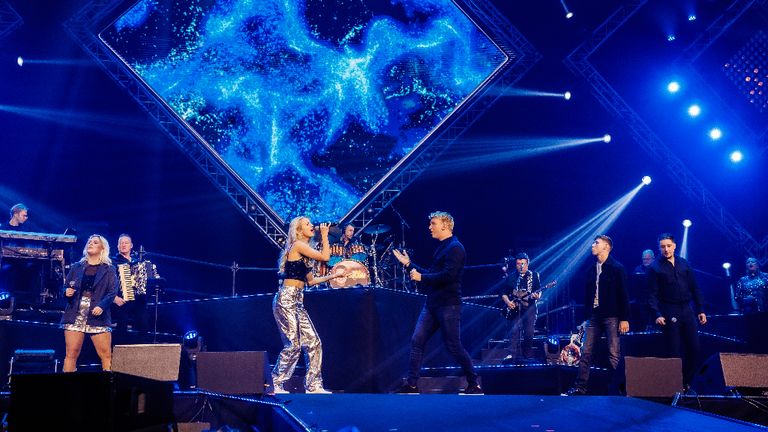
(134,278)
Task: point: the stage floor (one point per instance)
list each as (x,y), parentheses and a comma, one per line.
(422,413)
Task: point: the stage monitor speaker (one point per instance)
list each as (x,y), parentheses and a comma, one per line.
(653,376)
(154,361)
(237,372)
(89,401)
(723,372)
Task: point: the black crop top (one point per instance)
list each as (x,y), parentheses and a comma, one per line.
(296,270)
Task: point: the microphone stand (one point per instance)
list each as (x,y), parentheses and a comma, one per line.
(403,226)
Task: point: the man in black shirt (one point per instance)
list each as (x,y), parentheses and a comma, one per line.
(606,306)
(19,215)
(129,314)
(521,290)
(671,288)
(441,282)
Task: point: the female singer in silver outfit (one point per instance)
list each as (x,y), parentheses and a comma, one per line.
(91,285)
(296,328)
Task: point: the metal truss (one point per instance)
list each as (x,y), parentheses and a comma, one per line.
(84,27)
(522,56)
(578,63)
(10,20)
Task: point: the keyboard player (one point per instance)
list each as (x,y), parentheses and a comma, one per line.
(19,214)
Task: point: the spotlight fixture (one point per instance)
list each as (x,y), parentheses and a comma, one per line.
(20,61)
(646,180)
(736,156)
(190,335)
(694,110)
(687,223)
(567,95)
(673,87)
(691,17)
(606,138)
(726,265)
(671,37)
(715,134)
(568,13)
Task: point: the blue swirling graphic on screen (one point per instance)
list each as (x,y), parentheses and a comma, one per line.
(310,102)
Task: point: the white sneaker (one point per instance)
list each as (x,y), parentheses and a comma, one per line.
(279,390)
(318,390)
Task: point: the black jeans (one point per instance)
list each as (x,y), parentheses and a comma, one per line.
(681,335)
(525,324)
(448,320)
(596,327)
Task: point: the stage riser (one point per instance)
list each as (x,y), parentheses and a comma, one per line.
(365,332)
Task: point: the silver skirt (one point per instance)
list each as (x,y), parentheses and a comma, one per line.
(81,322)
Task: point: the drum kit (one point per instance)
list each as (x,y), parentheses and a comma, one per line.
(357,261)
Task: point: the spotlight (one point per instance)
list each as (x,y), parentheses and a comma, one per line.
(687,223)
(190,336)
(568,13)
(20,61)
(646,180)
(606,138)
(567,95)
(671,37)
(736,156)
(691,17)
(726,265)
(673,87)
(694,110)
(715,134)
(4,295)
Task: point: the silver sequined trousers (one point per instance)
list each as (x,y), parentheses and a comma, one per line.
(298,333)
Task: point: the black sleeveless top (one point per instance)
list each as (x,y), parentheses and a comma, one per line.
(296,270)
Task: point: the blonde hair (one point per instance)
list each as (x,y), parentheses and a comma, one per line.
(104,256)
(292,237)
(444,217)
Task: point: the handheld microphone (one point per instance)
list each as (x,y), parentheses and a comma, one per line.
(330,224)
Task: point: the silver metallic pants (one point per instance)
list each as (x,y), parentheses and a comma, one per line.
(297,332)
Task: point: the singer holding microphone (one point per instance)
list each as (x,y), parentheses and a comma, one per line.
(296,328)
(441,282)
(91,285)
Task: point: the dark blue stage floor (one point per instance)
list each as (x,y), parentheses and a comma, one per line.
(422,413)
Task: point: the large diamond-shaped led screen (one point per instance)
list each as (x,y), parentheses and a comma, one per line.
(310,102)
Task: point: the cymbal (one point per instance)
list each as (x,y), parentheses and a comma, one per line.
(376,229)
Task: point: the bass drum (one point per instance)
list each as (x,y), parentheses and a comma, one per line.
(355,273)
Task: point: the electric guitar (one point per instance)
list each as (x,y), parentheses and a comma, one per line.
(522,301)
(571,353)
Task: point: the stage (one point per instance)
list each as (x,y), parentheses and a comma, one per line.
(199,411)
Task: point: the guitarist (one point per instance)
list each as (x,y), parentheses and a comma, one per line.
(606,306)
(521,290)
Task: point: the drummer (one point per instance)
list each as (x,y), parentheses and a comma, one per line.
(348,247)
(347,240)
